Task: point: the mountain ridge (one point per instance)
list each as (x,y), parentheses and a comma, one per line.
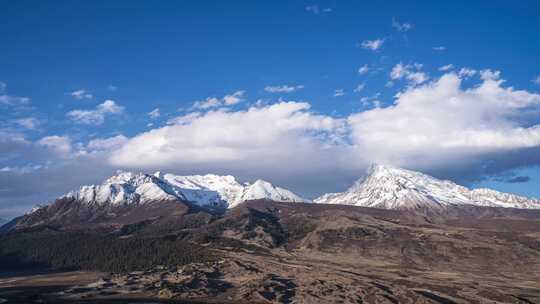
(390,187)
(210,190)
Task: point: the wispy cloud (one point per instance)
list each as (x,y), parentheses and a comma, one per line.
(373,45)
(439,48)
(234,98)
(411,72)
(401,27)
(315,9)
(339,92)
(466,72)
(13,100)
(537,80)
(59,144)
(447,67)
(29,123)
(9,100)
(106,144)
(154,114)
(283,88)
(209,102)
(214,102)
(359,87)
(371,101)
(96,116)
(363,69)
(81,94)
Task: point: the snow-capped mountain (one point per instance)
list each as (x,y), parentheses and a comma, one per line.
(125,188)
(262,189)
(394,188)
(211,189)
(205,190)
(2,221)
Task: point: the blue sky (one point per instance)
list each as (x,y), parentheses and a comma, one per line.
(288,61)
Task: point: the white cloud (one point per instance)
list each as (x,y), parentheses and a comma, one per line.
(9,100)
(213,102)
(466,72)
(97,116)
(442,125)
(537,80)
(184,119)
(154,114)
(106,144)
(371,101)
(490,74)
(373,45)
(359,87)
(112,88)
(11,144)
(210,102)
(234,98)
(446,68)
(315,9)
(25,169)
(410,72)
(401,27)
(439,48)
(13,100)
(283,88)
(339,92)
(363,69)
(29,123)
(81,94)
(59,144)
(281,138)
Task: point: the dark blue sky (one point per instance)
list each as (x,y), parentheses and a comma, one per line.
(145,55)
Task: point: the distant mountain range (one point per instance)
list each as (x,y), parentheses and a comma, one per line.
(382,186)
(130,197)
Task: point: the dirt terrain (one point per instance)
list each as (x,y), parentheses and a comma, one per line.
(267,252)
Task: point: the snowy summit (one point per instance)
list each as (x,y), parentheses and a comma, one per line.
(395,188)
(205,190)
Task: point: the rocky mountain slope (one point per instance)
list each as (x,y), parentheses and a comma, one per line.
(394,188)
(271,252)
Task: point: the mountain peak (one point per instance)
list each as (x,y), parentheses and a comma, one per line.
(262,189)
(379,170)
(208,190)
(390,187)
(125,188)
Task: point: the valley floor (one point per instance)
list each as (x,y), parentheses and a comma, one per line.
(279,278)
